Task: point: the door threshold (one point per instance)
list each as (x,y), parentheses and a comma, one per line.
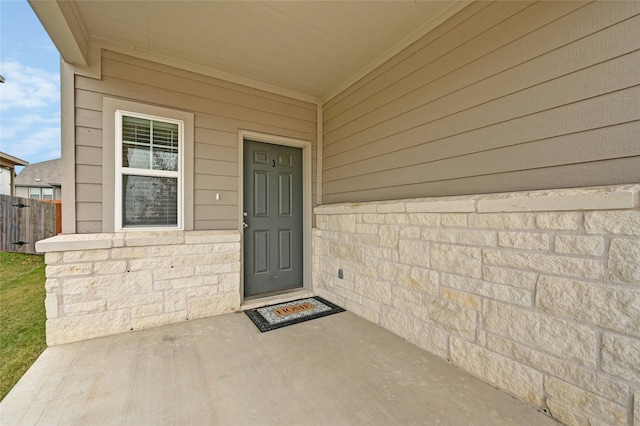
(278,298)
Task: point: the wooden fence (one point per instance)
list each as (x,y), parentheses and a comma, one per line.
(24,222)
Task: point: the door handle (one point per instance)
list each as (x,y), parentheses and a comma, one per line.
(245,225)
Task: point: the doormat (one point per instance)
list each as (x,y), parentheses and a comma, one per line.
(283,314)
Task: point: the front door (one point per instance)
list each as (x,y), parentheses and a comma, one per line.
(273,227)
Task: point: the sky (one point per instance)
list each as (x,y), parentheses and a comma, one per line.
(30,96)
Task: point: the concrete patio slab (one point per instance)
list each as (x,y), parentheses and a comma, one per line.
(335,370)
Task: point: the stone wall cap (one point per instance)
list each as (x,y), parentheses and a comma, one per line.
(72,242)
(613,197)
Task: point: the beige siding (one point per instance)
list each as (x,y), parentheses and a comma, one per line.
(503,96)
(220,109)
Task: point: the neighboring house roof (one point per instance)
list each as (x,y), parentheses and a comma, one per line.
(43,174)
(7,160)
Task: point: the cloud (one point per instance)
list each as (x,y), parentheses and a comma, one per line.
(26,87)
(29,112)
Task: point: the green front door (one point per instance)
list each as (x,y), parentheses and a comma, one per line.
(273,248)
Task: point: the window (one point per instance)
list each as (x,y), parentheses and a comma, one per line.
(47,193)
(148,187)
(34,193)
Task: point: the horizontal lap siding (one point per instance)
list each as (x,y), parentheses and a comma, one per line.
(503,96)
(220,110)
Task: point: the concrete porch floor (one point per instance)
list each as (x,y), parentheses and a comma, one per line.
(335,370)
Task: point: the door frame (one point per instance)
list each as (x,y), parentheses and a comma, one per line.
(307,198)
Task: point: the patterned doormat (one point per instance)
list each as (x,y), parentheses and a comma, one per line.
(283,314)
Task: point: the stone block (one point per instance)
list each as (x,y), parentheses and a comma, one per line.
(367,228)
(423,219)
(104,268)
(342,223)
(406,307)
(567,415)
(230,247)
(609,307)
(566,199)
(172,273)
(460,260)
(441,206)
(560,265)
(514,278)
(51,305)
(229,282)
(85,255)
(390,207)
(543,332)
(524,240)
(410,233)
(175,300)
(460,236)
(153,238)
(222,268)
(569,221)
(510,376)
(396,219)
(361,208)
(636,410)
(406,326)
(51,258)
(388,235)
(450,317)
(147,310)
(149,264)
(582,403)
(621,357)
(488,289)
(372,218)
(52,285)
(579,244)
(587,379)
(613,222)
(502,220)
(348,252)
(414,252)
(189,282)
(466,300)
(624,261)
(106,286)
(143,323)
(380,291)
(213,305)
(73,329)
(421,279)
(84,308)
(131,253)
(71,270)
(210,237)
(433,340)
(454,220)
(198,292)
(128,301)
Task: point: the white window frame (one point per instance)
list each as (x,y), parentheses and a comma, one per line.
(131,171)
(111,154)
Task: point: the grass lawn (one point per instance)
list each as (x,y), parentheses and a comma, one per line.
(22,317)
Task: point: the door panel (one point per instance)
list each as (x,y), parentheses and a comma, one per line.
(273,238)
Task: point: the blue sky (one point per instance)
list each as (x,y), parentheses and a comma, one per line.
(30,96)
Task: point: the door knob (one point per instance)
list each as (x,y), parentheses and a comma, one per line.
(245,225)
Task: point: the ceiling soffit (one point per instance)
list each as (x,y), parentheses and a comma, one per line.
(309,50)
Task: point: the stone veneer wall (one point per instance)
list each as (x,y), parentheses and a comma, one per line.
(537,293)
(102,284)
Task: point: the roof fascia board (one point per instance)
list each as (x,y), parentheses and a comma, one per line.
(65,28)
(447,13)
(210,72)
(10,160)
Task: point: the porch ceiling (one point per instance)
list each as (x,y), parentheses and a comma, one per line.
(310,50)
